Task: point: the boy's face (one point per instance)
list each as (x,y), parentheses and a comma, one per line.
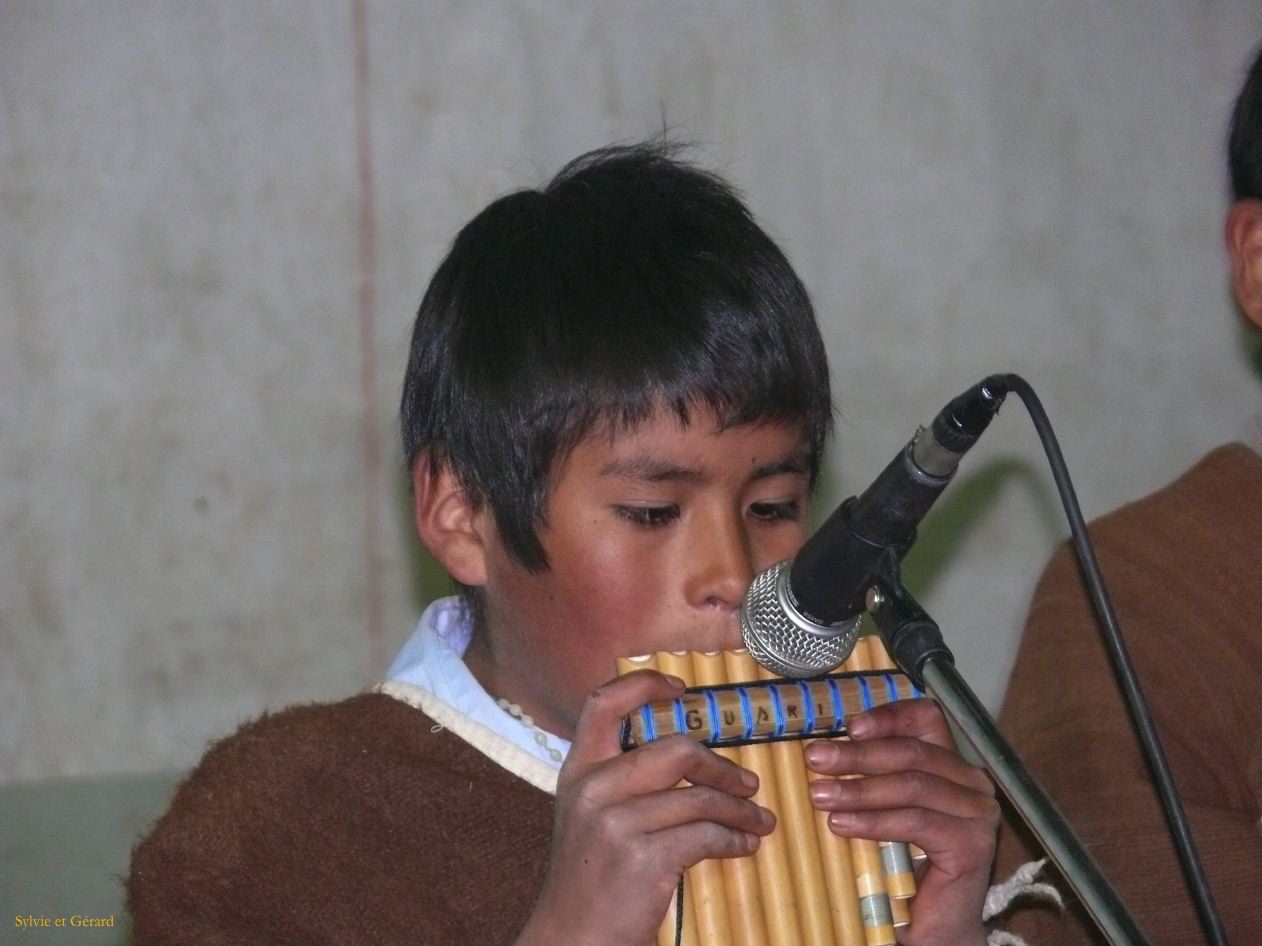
(652,539)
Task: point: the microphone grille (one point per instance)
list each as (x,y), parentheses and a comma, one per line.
(781,639)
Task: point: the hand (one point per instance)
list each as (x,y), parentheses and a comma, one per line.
(624,833)
(918,789)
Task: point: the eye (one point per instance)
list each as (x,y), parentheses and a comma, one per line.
(648,516)
(776,512)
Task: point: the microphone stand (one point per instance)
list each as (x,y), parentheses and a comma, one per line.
(915,642)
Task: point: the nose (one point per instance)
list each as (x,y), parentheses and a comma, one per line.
(722,565)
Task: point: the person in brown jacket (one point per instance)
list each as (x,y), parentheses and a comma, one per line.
(1184,569)
(614,411)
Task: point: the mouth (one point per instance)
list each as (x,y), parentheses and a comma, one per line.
(710,666)
(708,640)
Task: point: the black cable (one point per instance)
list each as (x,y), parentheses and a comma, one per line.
(679,911)
(1122,666)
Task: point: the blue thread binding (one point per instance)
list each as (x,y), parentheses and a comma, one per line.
(713,703)
(892,685)
(777,706)
(865,692)
(681,725)
(746,711)
(646,718)
(839,707)
(808,708)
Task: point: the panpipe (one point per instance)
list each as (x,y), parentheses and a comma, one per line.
(805,886)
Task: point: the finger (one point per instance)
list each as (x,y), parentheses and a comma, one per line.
(891,755)
(952,844)
(663,765)
(697,841)
(915,719)
(677,807)
(679,758)
(597,734)
(903,790)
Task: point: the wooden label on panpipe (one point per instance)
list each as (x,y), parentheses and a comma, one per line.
(736,714)
(805,885)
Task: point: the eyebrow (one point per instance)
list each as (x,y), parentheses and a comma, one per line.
(794,465)
(652,469)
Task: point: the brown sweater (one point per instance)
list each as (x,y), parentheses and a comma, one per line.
(348,823)
(1184,569)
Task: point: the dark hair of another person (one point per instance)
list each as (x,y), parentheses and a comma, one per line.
(632,281)
(1244,142)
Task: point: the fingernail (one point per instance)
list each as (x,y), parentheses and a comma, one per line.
(860,726)
(749,779)
(674,680)
(843,820)
(820,753)
(821,792)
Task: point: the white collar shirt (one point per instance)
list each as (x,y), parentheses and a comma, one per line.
(432,659)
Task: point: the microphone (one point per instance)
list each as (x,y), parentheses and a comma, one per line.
(800,617)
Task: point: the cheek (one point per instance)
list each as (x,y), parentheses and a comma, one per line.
(610,578)
(791,543)
(776,545)
(614,589)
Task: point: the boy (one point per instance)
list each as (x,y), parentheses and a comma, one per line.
(614,411)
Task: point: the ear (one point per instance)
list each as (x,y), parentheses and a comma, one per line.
(451,525)
(1244,246)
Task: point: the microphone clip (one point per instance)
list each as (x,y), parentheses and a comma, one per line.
(910,635)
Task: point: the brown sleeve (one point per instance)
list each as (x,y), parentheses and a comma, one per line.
(1185,573)
(343,824)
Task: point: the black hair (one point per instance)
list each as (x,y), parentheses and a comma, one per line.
(1244,141)
(632,281)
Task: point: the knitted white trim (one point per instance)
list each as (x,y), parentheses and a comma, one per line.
(1020,884)
(1002,895)
(491,744)
(1002,938)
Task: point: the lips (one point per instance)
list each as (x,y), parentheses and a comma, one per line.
(705,640)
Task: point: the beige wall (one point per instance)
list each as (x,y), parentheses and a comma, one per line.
(214,235)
